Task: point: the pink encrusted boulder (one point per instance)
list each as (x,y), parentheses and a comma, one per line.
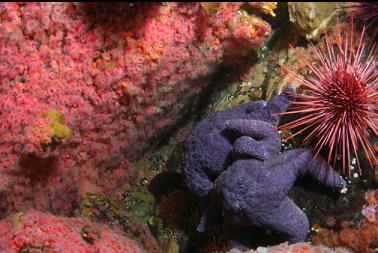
(42,232)
(86,88)
(297,247)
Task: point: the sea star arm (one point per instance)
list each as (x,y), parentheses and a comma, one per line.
(280,103)
(258,138)
(247,147)
(197,180)
(298,162)
(320,170)
(287,218)
(253,106)
(256,129)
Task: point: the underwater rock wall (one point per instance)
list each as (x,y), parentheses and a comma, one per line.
(87,87)
(312,19)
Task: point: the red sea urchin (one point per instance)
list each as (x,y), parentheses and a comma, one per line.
(365,13)
(339,105)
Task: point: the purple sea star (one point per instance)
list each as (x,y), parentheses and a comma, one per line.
(235,156)
(209,148)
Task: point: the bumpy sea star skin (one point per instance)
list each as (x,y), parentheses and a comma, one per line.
(258,139)
(254,193)
(209,148)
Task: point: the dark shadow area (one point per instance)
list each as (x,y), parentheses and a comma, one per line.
(254,237)
(117,16)
(282,14)
(164,183)
(251,238)
(320,202)
(195,113)
(37,168)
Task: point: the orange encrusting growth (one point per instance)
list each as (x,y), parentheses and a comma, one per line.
(339,106)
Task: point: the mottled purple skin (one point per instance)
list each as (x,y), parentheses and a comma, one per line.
(235,155)
(209,147)
(254,193)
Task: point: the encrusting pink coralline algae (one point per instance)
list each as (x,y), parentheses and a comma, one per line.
(294,248)
(301,248)
(36,232)
(85,88)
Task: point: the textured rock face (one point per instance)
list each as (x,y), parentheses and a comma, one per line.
(39,232)
(313,19)
(115,76)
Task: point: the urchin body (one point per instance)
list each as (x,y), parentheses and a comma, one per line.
(339,108)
